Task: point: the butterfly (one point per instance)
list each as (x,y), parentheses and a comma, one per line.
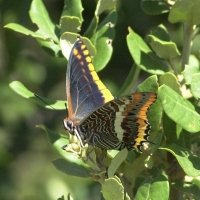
(95,115)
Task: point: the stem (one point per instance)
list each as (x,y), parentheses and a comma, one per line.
(187,42)
(173,66)
(127,186)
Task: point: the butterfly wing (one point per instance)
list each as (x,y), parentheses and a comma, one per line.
(85,91)
(120,122)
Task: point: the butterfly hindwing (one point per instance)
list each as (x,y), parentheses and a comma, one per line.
(85,91)
(120,122)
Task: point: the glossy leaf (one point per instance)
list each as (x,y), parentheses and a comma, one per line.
(20,29)
(112,188)
(195,137)
(195,85)
(143,56)
(179,109)
(102,40)
(189,162)
(69,197)
(116,162)
(103,5)
(138,165)
(149,85)
(163,49)
(175,134)
(155,7)
(40,17)
(61,198)
(188,72)
(71,168)
(58,141)
(73,8)
(67,41)
(171,81)
(150,189)
(69,24)
(161,32)
(51,48)
(20,89)
(187,188)
(185,11)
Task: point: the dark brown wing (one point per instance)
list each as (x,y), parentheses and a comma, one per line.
(85,91)
(120,122)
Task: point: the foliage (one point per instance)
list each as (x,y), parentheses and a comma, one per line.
(174,165)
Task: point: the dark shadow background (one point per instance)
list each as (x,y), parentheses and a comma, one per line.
(26,171)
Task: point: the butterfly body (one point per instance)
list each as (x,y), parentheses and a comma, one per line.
(95,116)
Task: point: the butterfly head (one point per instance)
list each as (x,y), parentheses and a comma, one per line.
(69,126)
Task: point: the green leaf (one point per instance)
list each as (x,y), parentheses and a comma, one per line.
(103,5)
(69,24)
(150,189)
(20,29)
(143,56)
(138,166)
(92,27)
(58,141)
(189,162)
(179,109)
(69,197)
(195,137)
(187,188)
(185,11)
(20,89)
(112,153)
(68,40)
(188,72)
(163,49)
(102,40)
(61,198)
(175,134)
(51,48)
(70,168)
(193,60)
(73,8)
(149,85)
(40,17)
(116,162)
(171,81)
(112,188)
(155,137)
(155,7)
(161,32)
(195,85)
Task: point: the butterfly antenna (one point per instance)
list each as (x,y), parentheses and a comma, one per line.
(48,104)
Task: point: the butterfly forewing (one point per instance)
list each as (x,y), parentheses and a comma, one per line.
(120,123)
(85,91)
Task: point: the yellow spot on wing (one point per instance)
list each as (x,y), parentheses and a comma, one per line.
(86,52)
(79,56)
(83,46)
(91,67)
(75,52)
(88,59)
